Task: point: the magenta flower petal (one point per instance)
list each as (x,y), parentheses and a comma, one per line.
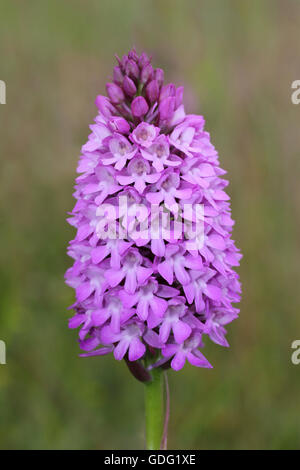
(178,360)
(114,277)
(197,361)
(152,339)
(164,331)
(181,274)
(84,291)
(159,306)
(77,320)
(136,349)
(213,292)
(100,316)
(166,271)
(181,331)
(108,336)
(143,274)
(97,352)
(121,349)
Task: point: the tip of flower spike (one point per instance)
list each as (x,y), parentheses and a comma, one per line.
(138,93)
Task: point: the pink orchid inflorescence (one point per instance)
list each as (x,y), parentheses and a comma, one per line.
(149,296)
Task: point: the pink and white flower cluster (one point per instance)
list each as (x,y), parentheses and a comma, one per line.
(150,301)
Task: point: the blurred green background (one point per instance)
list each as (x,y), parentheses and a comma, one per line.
(237,60)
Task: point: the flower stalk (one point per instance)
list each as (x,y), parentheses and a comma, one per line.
(155,409)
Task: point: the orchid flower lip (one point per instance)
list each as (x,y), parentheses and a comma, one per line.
(153,258)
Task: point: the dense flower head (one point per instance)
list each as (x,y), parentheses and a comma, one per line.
(150,296)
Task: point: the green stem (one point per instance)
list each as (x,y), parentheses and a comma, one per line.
(154,407)
(140,89)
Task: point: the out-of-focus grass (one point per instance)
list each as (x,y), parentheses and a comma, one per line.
(237,60)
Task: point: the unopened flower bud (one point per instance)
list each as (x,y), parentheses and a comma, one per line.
(152,91)
(146,73)
(179,96)
(159,76)
(118,75)
(119,124)
(132,69)
(104,105)
(166,91)
(166,108)
(143,60)
(133,55)
(129,86)
(139,106)
(115,93)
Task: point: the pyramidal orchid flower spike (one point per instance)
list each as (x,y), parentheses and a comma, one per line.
(153,254)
